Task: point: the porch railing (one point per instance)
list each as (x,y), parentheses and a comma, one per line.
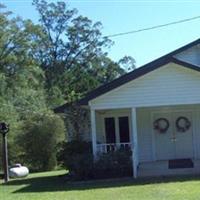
(109,147)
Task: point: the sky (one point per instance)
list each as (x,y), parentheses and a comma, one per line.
(122,16)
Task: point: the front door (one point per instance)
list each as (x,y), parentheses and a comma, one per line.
(175,142)
(183,138)
(164,147)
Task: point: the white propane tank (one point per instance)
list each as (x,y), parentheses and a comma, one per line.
(18,171)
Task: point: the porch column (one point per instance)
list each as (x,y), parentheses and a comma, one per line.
(135,142)
(93,130)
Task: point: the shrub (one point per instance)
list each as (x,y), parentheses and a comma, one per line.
(39,140)
(114,164)
(82,166)
(76,156)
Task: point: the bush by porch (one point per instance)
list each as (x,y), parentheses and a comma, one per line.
(77,157)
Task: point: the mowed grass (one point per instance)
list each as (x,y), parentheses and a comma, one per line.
(50,186)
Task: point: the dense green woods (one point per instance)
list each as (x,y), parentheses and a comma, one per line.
(43,66)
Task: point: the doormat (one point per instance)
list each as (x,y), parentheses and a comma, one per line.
(180,163)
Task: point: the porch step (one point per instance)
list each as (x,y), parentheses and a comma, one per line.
(180,163)
(160,168)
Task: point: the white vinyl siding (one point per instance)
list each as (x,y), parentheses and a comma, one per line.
(144,135)
(171,84)
(99,128)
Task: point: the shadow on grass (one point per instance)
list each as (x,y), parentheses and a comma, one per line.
(58,183)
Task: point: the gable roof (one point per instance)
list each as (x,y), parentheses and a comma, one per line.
(136,74)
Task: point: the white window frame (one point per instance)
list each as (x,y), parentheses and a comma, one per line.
(116,119)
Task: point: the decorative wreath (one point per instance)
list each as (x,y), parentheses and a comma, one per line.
(157,125)
(185,126)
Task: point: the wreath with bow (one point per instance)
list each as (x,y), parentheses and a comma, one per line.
(183,127)
(158,125)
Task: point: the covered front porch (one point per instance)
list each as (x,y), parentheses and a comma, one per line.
(114,129)
(133,128)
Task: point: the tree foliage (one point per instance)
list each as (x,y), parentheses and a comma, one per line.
(41,134)
(45,65)
(71,51)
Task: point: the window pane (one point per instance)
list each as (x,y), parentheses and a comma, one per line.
(110,130)
(124,129)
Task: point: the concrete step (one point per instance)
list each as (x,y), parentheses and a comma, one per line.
(160,168)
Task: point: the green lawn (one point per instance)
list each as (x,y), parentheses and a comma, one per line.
(49,186)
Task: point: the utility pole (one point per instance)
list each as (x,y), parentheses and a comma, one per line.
(4,129)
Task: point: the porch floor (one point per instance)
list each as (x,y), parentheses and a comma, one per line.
(160,168)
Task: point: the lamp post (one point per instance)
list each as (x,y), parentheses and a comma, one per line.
(4,129)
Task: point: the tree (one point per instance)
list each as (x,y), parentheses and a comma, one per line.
(22,93)
(71,51)
(22,77)
(45,65)
(128,63)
